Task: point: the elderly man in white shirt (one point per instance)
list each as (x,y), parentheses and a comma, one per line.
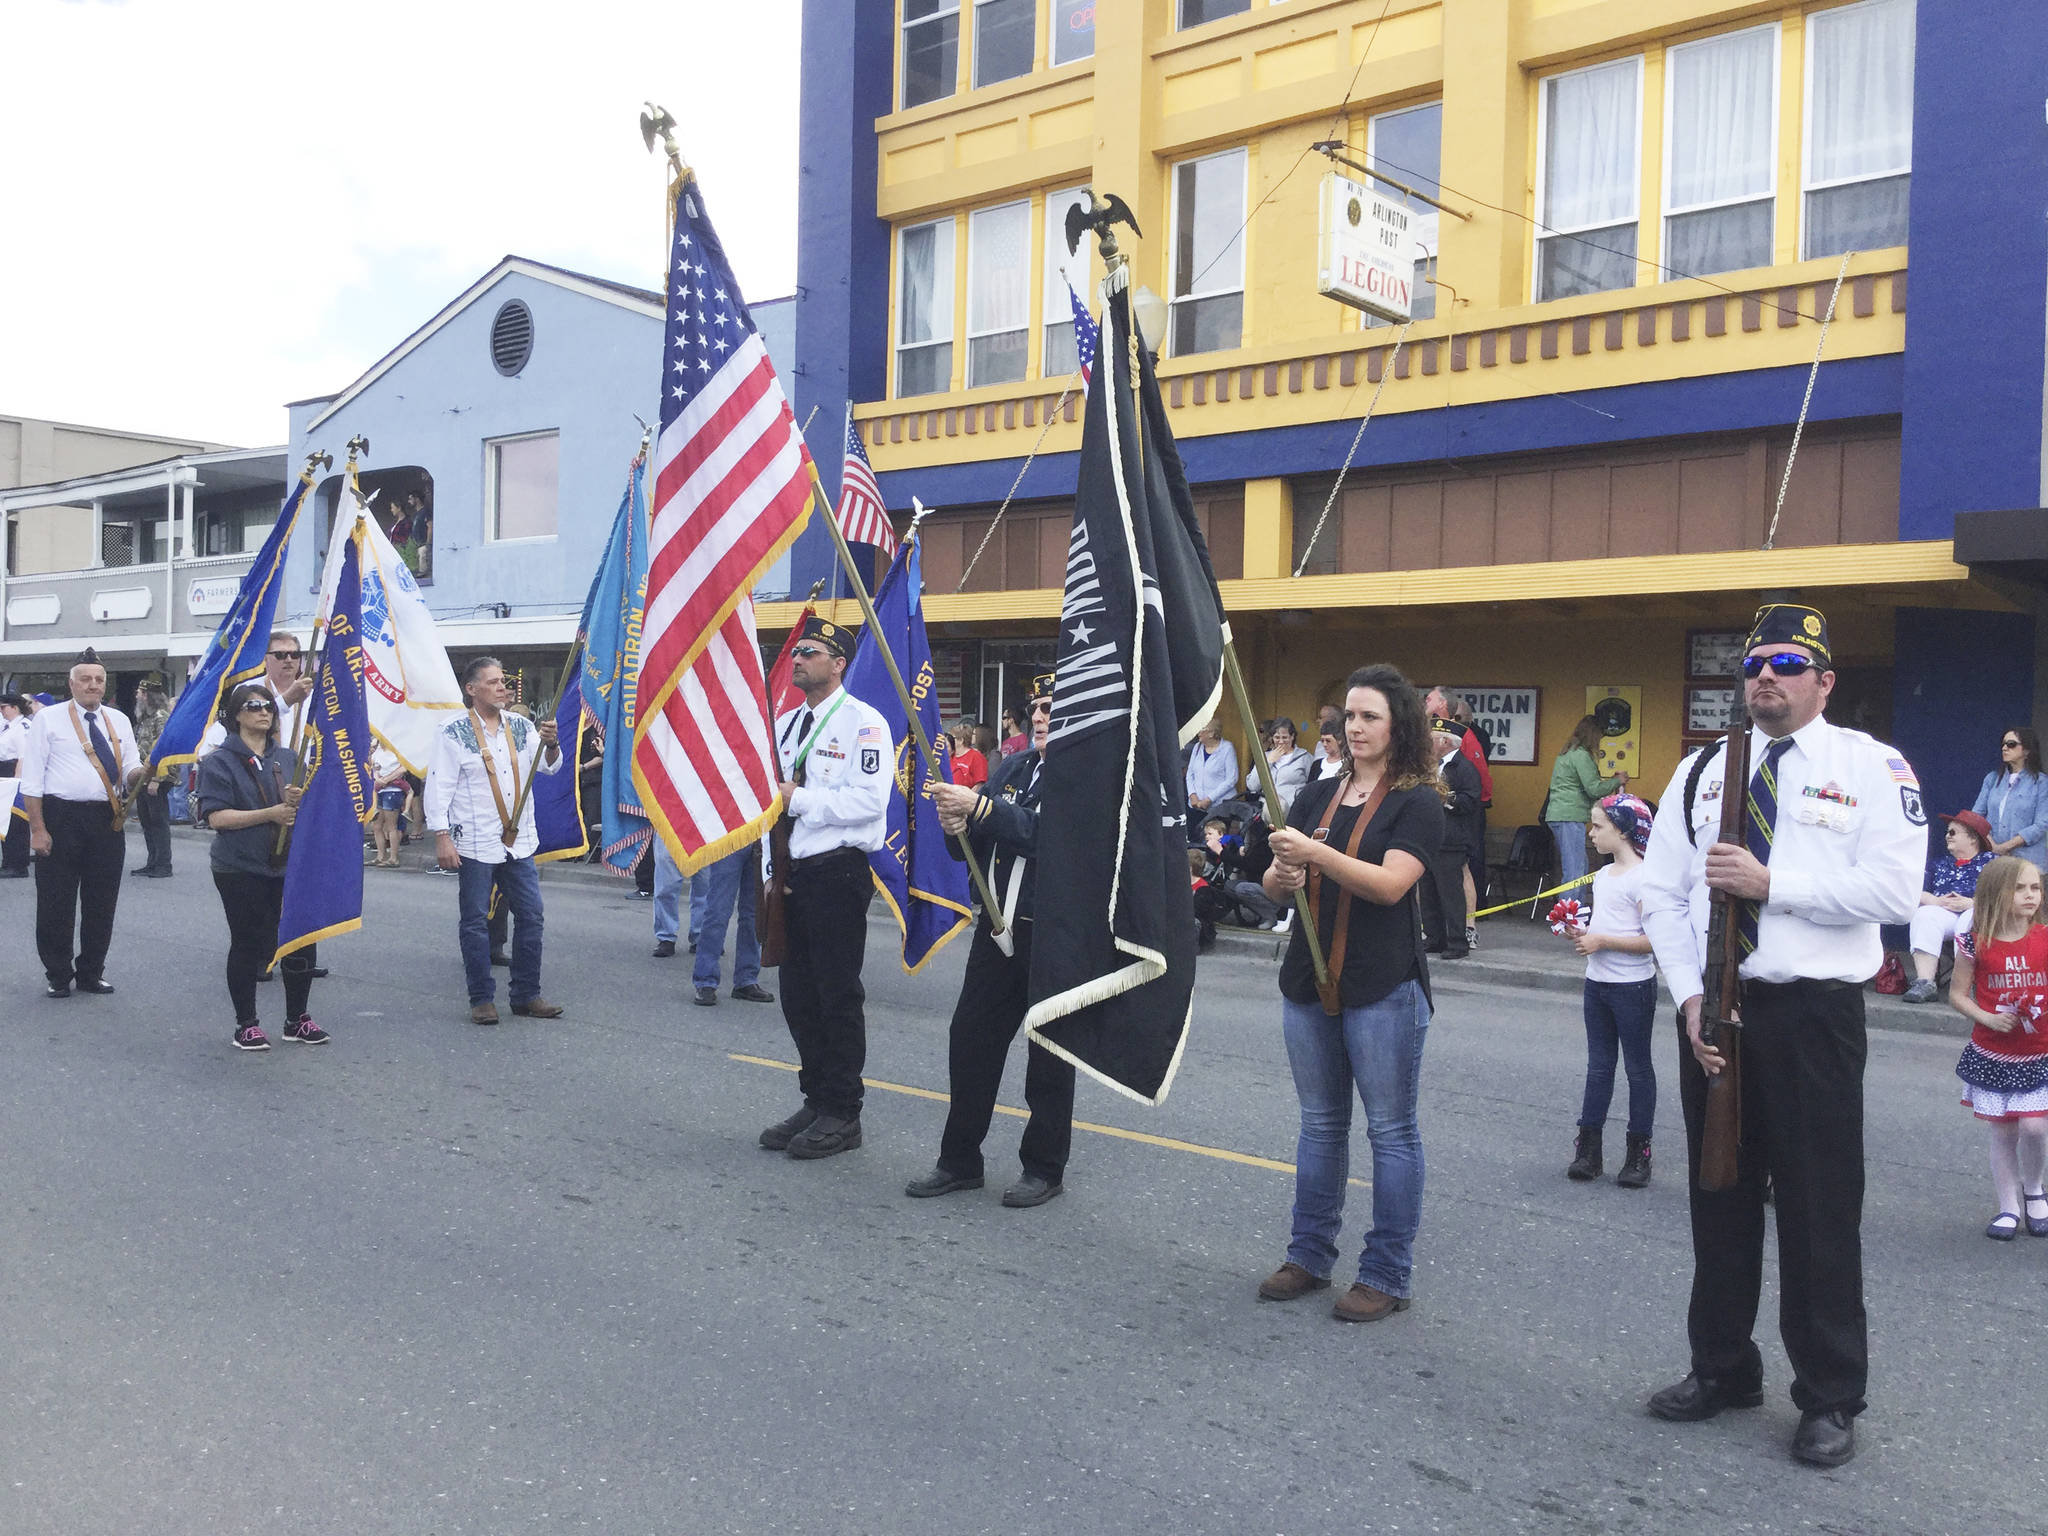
(479,806)
(78,768)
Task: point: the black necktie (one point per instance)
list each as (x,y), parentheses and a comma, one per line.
(803,734)
(99,746)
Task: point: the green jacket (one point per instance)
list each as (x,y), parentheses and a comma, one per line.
(1575,783)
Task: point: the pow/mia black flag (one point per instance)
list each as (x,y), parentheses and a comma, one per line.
(1140,668)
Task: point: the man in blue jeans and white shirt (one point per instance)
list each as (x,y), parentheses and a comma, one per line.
(479,806)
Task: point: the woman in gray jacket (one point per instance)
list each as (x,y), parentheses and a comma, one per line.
(2014,798)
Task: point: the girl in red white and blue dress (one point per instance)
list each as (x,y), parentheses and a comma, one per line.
(2001,986)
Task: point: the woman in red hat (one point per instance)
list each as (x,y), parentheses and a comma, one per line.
(1950,887)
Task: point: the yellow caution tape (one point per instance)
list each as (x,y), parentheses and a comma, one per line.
(1553,891)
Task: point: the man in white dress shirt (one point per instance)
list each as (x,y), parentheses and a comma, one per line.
(80,760)
(1836,839)
(479,806)
(14,726)
(837,758)
(283,670)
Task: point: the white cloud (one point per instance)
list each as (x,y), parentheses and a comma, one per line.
(215,206)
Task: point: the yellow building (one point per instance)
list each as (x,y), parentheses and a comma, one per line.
(1628,225)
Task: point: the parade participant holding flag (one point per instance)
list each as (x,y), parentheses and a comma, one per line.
(479,806)
(836,766)
(246,792)
(1001,819)
(283,672)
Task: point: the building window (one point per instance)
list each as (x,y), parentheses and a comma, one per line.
(1408,146)
(1194,12)
(1208,254)
(998,293)
(1859,126)
(1004,31)
(1061,268)
(1588,164)
(924,307)
(1720,150)
(521,477)
(1073,30)
(931,50)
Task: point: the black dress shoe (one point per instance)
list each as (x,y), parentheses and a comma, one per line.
(826,1136)
(499,957)
(318,973)
(707,997)
(779,1135)
(753,992)
(1031,1190)
(1699,1397)
(13,874)
(57,989)
(1825,1439)
(97,987)
(664,948)
(939,1182)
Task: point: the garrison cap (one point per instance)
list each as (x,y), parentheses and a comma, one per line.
(1041,688)
(1793,623)
(839,641)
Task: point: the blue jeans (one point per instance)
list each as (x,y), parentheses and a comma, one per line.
(724,887)
(1379,1049)
(1618,1019)
(1571,850)
(668,895)
(518,883)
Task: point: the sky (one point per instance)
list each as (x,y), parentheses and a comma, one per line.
(212,207)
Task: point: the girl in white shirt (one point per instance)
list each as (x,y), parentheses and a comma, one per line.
(1621,993)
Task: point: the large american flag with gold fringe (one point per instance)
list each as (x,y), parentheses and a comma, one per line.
(732,487)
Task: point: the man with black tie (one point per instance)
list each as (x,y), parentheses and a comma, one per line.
(79,763)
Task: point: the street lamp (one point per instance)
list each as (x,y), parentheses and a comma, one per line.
(1149,311)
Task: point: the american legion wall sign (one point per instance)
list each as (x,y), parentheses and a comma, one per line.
(1508,717)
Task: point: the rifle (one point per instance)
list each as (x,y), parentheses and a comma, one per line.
(771,927)
(1720,1028)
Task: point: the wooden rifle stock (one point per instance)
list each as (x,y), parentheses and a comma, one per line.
(1720,1006)
(770,920)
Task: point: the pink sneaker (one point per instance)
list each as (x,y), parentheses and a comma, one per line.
(305,1031)
(250,1037)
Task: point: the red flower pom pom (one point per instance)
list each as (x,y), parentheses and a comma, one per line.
(1569,918)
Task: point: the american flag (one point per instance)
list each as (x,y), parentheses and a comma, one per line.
(862,518)
(1086,333)
(732,484)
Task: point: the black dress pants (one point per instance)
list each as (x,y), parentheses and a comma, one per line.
(826,925)
(154,812)
(1803,1050)
(253,904)
(993,998)
(14,843)
(77,884)
(1443,900)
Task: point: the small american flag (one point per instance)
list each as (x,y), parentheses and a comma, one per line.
(1086,333)
(862,518)
(732,484)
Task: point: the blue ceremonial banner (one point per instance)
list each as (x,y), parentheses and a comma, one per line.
(323,877)
(557,812)
(609,683)
(924,885)
(235,654)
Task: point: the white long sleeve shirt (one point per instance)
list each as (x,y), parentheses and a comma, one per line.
(844,799)
(55,767)
(13,738)
(459,799)
(1847,853)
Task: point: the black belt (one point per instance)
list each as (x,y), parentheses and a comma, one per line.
(1799,986)
(819,860)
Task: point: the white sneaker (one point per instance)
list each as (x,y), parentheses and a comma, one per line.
(1471,937)
(1286,919)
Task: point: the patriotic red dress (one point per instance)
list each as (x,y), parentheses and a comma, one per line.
(2005,1075)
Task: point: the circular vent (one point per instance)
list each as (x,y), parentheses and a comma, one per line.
(512,337)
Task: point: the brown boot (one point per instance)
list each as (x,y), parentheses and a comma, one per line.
(537,1008)
(484,1013)
(1290,1282)
(1363,1304)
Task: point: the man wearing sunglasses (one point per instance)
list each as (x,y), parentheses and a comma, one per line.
(284,672)
(837,757)
(1836,838)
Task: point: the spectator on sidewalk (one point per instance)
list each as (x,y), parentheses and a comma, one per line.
(1443,893)
(2014,798)
(1945,896)
(1575,783)
(1212,776)
(1291,762)
(1621,994)
(1328,761)
(970,767)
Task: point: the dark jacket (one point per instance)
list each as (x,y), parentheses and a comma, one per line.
(1004,828)
(1461,811)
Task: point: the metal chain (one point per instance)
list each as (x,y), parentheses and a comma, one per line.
(1812,376)
(1051,416)
(1385,374)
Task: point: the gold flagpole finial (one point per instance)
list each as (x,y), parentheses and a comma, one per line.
(358,447)
(320,460)
(655,122)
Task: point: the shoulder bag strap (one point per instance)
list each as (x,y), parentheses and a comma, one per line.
(1332,994)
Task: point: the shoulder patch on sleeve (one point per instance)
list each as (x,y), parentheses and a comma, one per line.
(1902,771)
(1909,797)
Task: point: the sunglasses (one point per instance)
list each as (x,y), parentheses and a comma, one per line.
(263,704)
(808,651)
(285,655)
(2008,742)
(1785,665)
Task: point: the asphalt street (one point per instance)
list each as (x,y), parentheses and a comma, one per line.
(436,1278)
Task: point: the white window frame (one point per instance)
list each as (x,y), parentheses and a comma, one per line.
(491,445)
(1052,38)
(1426,220)
(1183,26)
(1546,230)
(1668,212)
(897,345)
(1053,298)
(974,81)
(1023,203)
(1806,184)
(1174,297)
(904,24)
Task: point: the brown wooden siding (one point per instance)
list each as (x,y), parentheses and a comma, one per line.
(1029,552)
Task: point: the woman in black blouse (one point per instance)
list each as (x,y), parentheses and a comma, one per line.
(245,794)
(1358,842)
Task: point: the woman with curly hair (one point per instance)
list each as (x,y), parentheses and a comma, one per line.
(1358,842)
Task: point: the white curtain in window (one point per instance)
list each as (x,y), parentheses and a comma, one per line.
(925,302)
(999,269)
(1862,106)
(1721,119)
(1590,147)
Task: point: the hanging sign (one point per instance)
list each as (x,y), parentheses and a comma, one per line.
(1366,257)
(1507,716)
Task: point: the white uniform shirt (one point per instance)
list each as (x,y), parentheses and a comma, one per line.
(844,799)
(13,738)
(288,717)
(459,799)
(1847,854)
(55,767)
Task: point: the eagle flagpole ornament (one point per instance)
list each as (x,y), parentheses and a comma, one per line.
(1101,215)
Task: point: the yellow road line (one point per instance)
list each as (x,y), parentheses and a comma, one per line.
(1172,1144)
